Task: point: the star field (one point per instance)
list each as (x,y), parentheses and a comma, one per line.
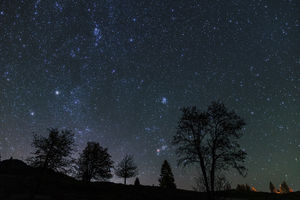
(117,72)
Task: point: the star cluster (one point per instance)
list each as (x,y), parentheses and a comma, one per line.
(117,72)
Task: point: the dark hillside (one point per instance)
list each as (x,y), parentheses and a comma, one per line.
(17,181)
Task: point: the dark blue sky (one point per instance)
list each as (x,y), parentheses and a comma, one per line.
(117,72)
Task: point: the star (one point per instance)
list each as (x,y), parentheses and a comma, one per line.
(164,100)
(121,78)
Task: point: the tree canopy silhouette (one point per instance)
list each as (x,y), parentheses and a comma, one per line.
(210,139)
(52,152)
(126,168)
(94,163)
(166,179)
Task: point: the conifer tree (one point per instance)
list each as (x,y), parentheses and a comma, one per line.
(166,179)
(272,187)
(284,188)
(137,181)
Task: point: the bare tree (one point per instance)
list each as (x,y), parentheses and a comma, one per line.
(210,139)
(53,152)
(126,168)
(94,163)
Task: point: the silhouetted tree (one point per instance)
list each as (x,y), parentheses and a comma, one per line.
(272,187)
(94,163)
(284,188)
(210,138)
(166,179)
(137,182)
(52,152)
(126,168)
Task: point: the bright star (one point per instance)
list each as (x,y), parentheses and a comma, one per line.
(164,100)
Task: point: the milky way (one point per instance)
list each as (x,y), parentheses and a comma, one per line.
(117,72)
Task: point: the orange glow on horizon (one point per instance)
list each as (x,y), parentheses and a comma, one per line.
(277,192)
(253,189)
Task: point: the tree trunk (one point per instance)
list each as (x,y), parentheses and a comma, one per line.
(212,171)
(205,177)
(125,180)
(206,183)
(212,177)
(86,178)
(41,176)
(212,183)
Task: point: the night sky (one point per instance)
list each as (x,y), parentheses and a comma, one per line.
(118,71)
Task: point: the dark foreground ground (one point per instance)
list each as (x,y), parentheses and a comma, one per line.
(19,182)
